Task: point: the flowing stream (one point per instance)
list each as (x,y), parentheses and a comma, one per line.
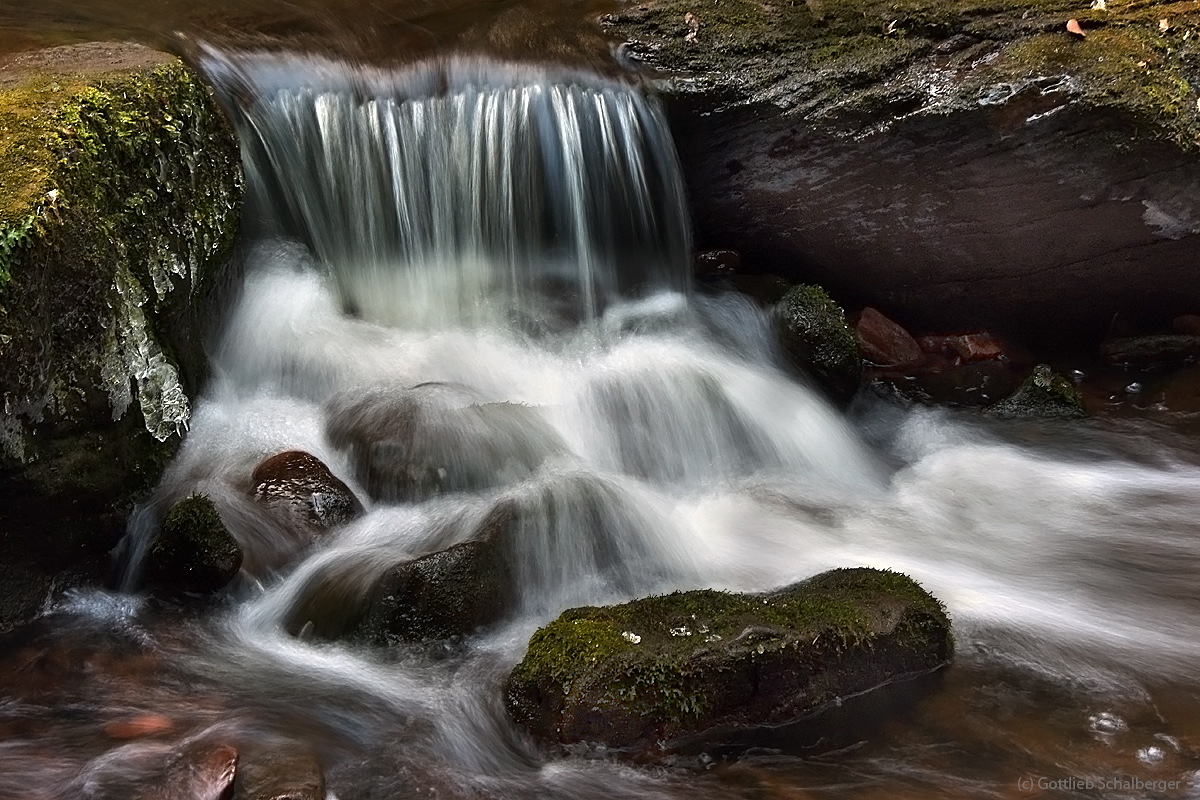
(462,235)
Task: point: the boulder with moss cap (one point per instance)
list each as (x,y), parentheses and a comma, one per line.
(966,164)
(1044,393)
(650,676)
(817,340)
(121,197)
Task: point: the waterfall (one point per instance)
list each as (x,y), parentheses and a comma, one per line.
(433,190)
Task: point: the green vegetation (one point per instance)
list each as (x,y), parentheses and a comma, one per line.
(1044,393)
(825,60)
(678,663)
(194,551)
(814,333)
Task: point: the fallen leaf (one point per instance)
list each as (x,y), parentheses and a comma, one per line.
(1164,25)
(139,726)
(693,24)
(1099,5)
(891,28)
(1073,27)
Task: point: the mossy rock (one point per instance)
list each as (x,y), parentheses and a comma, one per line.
(194,553)
(121,199)
(1044,393)
(876,59)
(649,676)
(818,341)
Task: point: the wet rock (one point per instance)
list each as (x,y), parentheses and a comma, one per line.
(450,593)
(1186,324)
(971,167)
(300,489)
(965,346)
(664,673)
(885,343)
(766,290)
(195,770)
(1044,393)
(412,444)
(815,336)
(716,263)
(194,552)
(447,593)
(1148,350)
(122,189)
(24,590)
(278,771)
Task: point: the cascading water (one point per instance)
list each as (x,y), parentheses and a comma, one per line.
(448,185)
(500,262)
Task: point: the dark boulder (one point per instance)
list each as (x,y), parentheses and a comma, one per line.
(447,593)
(961,165)
(1044,393)
(709,264)
(301,490)
(1151,350)
(194,553)
(817,340)
(409,445)
(656,675)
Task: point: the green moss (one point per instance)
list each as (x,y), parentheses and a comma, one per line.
(1044,393)
(121,199)
(823,60)
(194,551)
(814,333)
(660,659)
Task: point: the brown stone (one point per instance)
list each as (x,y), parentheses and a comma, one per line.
(967,346)
(885,343)
(298,487)
(1186,324)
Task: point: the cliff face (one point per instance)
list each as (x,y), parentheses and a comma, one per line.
(962,164)
(122,191)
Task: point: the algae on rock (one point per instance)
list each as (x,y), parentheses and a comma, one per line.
(647,675)
(815,335)
(121,199)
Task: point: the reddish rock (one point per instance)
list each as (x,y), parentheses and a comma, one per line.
(1187,325)
(885,343)
(300,488)
(716,263)
(967,346)
(138,727)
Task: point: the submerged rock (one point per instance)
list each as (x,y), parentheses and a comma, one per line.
(278,771)
(962,165)
(435,438)
(655,675)
(815,336)
(1148,350)
(1044,393)
(301,490)
(121,190)
(194,552)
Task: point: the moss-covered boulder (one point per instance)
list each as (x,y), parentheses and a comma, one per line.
(194,553)
(650,676)
(818,341)
(121,193)
(964,163)
(1044,393)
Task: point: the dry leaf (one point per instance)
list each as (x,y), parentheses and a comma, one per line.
(1099,5)
(693,27)
(1073,27)
(1164,25)
(891,28)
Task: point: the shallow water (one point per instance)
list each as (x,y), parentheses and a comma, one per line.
(670,450)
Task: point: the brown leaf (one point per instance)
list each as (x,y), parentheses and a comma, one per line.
(1073,27)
